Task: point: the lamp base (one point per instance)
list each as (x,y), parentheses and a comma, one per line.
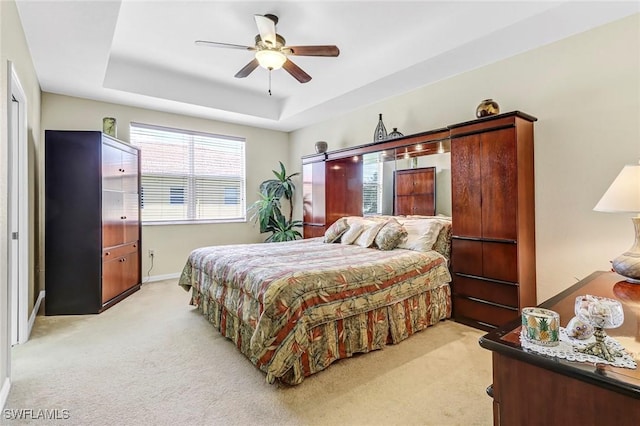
(628,263)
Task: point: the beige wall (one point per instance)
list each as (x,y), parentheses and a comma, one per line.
(585,92)
(13,47)
(173,243)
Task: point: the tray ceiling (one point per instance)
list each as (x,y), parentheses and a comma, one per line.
(142,53)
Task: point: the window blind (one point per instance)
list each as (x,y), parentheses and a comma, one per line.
(189,176)
(372,184)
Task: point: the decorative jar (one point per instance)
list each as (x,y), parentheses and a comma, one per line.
(109,126)
(487,107)
(321,146)
(541,326)
(395,134)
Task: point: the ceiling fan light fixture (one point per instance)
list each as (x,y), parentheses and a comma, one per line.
(271,59)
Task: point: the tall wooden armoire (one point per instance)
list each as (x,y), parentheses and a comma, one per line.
(493,245)
(92,221)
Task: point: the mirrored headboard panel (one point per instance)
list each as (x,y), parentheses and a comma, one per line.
(360,180)
(379,177)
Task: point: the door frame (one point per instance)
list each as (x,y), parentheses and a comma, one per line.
(18,169)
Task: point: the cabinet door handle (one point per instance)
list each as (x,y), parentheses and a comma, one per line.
(107,253)
(122,260)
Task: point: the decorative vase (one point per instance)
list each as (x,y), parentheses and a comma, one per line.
(487,107)
(380,133)
(395,134)
(321,146)
(109,126)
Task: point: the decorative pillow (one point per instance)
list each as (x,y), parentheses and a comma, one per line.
(421,234)
(354,231)
(335,231)
(390,235)
(443,242)
(368,235)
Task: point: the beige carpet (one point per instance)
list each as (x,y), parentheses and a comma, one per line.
(153,360)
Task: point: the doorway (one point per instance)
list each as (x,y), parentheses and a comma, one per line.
(18,211)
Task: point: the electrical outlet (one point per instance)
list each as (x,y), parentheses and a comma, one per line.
(152,253)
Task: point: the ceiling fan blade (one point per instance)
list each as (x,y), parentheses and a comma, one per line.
(227,45)
(296,71)
(267,30)
(247,69)
(314,50)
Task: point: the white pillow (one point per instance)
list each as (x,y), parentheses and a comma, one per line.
(368,235)
(421,234)
(354,231)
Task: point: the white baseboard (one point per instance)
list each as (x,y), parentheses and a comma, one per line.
(4,392)
(34,312)
(153,278)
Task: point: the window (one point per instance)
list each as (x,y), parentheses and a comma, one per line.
(190,176)
(372,184)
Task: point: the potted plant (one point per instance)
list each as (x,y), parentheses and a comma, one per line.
(267,211)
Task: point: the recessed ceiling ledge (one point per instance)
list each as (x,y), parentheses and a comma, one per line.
(132,76)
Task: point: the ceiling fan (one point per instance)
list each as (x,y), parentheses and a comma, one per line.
(271,51)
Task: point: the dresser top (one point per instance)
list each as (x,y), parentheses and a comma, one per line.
(506,339)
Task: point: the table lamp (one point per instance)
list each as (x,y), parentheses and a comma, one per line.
(623,196)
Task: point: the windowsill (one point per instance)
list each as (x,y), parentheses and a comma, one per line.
(191,222)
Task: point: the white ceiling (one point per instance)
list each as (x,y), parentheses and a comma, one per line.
(142,53)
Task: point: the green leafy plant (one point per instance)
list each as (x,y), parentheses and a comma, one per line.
(267,211)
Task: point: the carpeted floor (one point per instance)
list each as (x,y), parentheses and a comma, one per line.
(153,360)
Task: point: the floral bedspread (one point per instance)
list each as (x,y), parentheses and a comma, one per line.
(283,290)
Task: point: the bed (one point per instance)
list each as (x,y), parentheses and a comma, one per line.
(293,308)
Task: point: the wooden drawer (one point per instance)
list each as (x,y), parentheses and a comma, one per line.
(495,260)
(415,204)
(466,256)
(500,261)
(503,294)
(483,312)
(119,251)
(119,275)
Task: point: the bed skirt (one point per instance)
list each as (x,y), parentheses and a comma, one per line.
(338,339)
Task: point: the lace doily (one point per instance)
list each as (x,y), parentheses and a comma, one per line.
(566,350)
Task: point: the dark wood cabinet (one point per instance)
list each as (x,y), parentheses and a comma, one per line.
(343,188)
(533,389)
(92,222)
(415,191)
(313,196)
(331,189)
(493,243)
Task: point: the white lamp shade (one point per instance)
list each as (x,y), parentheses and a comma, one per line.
(271,59)
(624,193)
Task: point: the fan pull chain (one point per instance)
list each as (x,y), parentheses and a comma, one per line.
(270,69)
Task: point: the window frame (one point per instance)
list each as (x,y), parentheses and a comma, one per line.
(189,200)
